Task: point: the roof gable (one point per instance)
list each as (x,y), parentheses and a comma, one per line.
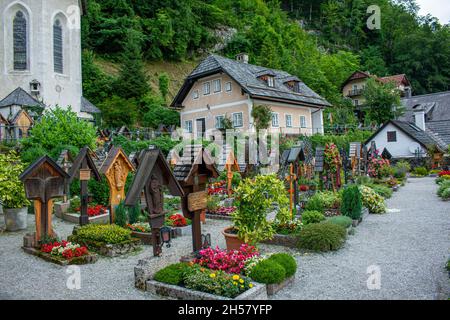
(398,79)
(20,97)
(356,76)
(247,76)
(78,162)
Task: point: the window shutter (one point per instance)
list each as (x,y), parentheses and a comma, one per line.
(58,47)
(20,41)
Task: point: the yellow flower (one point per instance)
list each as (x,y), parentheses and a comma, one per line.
(241,281)
(235,283)
(212,275)
(250,285)
(235,277)
(242,287)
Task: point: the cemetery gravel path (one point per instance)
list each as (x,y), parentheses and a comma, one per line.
(411,245)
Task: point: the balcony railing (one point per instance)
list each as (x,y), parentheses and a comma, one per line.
(355,92)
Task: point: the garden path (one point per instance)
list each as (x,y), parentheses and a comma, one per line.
(410,245)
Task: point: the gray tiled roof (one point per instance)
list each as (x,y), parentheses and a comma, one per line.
(20,97)
(247,76)
(441,129)
(437,106)
(426,138)
(88,107)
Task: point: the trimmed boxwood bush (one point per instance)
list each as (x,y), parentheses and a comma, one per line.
(286,261)
(322,237)
(351,202)
(309,217)
(383,191)
(172,274)
(342,221)
(109,233)
(268,272)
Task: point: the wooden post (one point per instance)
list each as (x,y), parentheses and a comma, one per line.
(230,180)
(84,218)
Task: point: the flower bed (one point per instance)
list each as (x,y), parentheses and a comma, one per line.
(107,240)
(217,188)
(221,213)
(142,231)
(372,201)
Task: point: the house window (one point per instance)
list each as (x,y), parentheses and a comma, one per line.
(188,126)
(270,81)
(228,87)
(302,122)
(275,122)
(195,94)
(219,122)
(356,103)
(217,85)
(297,87)
(58,47)
(288,121)
(20,41)
(206,88)
(237,119)
(392,136)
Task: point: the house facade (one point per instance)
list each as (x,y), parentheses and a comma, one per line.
(222,88)
(41,52)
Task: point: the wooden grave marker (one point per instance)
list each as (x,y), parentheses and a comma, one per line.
(44,180)
(83,168)
(116,168)
(153,173)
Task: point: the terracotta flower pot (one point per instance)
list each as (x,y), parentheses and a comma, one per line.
(232,240)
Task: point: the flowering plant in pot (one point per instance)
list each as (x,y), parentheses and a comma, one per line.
(254,199)
(12,192)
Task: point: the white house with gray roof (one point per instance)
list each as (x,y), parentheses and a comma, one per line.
(41,55)
(220,87)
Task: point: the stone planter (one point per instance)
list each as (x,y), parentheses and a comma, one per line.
(218,216)
(232,240)
(108,249)
(60,208)
(258,292)
(75,218)
(182,231)
(274,288)
(289,241)
(16,219)
(145,237)
(90,258)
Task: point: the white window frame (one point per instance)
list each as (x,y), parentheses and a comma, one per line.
(303,123)
(215,82)
(241,120)
(188,126)
(271,81)
(276,116)
(206,85)
(195,95)
(228,86)
(219,124)
(288,116)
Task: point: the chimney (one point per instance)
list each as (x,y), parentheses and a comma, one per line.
(242,57)
(419,117)
(408,92)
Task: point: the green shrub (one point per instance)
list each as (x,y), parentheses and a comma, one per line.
(121,215)
(109,233)
(75,203)
(286,261)
(420,171)
(322,237)
(315,204)
(172,274)
(312,217)
(382,190)
(134,214)
(446,194)
(351,202)
(324,200)
(342,221)
(442,187)
(268,272)
(372,200)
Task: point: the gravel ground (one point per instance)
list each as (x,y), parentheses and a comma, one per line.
(410,245)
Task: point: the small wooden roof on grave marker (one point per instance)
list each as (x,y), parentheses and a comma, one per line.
(42,169)
(319,159)
(77,163)
(149,161)
(114,153)
(65,157)
(386,154)
(194,159)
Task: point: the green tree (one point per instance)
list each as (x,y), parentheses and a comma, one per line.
(262,116)
(118,112)
(382,101)
(164,85)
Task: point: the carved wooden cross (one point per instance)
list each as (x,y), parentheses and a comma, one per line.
(44,180)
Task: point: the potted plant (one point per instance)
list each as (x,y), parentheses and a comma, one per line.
(12,192)
(254,199)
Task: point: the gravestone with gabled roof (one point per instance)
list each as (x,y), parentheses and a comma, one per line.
(84,168)
(192,172)
(116,168)
(152,174)
(44,180)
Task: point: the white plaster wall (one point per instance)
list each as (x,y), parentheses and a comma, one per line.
(56,89)
(398,149)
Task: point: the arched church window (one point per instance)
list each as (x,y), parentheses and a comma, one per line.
(58,47)
(20,41)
